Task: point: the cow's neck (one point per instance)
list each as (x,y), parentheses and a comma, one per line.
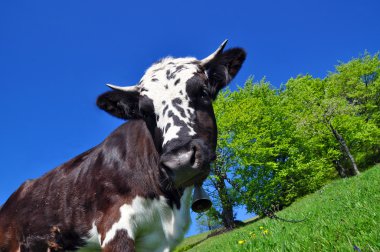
(167,187)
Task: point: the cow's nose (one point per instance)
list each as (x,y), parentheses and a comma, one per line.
(183,158)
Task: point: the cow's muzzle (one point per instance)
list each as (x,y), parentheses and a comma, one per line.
(188,164)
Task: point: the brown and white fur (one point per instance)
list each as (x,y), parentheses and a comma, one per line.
(132,192)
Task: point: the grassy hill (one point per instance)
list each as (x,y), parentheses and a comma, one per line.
(342,216)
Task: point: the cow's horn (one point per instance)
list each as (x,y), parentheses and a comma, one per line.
(212,56)
(125,89)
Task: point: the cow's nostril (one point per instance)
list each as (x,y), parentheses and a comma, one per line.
(192,159)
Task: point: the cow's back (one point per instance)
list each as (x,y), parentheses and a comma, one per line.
(46,208)
(60,208)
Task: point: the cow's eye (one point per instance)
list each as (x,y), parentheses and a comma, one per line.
(205,93)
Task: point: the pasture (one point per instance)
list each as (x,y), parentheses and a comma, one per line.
(343,216)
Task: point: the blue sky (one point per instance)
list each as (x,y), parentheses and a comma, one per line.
(56,56)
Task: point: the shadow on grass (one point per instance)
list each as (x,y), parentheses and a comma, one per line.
(216,232)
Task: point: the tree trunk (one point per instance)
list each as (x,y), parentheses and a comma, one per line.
(209,223)
(345,149)
(341,170)
(227,214)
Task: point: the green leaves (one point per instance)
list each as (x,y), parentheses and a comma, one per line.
(279,144)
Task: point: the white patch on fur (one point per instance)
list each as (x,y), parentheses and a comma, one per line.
(157,91)
(153,224)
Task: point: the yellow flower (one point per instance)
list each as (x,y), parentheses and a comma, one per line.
(241,241)
(266,231)
(261,227)
(253,235)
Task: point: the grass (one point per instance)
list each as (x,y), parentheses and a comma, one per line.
(342,216)
(194,240)
(91,247)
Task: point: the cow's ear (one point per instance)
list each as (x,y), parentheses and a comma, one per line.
(124,105)
(223,68)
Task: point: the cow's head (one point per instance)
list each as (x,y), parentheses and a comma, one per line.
(174,97)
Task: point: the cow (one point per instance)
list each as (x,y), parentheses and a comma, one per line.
(132,192)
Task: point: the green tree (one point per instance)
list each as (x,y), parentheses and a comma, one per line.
(276,145)
(315,112)
(209,220)
(358,82)
(249,125)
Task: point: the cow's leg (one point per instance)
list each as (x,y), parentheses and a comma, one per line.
(121,242)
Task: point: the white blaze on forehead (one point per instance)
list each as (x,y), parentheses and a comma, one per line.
(164,82)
